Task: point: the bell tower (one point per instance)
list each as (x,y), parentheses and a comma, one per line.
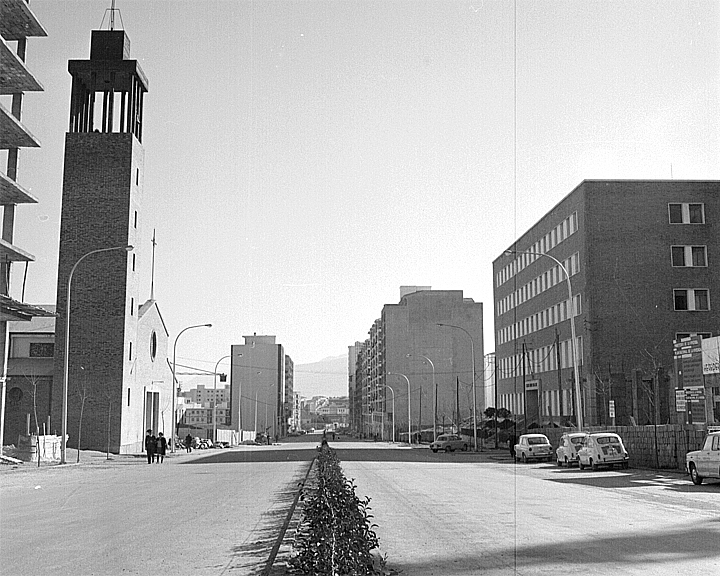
(101,206)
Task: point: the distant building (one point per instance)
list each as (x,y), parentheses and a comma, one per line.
(260,377)
(399,345)
(639,257)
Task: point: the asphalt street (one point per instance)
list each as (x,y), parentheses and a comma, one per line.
(219,512)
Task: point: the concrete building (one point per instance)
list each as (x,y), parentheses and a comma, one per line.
(17,24)
(260,377)
(639,255)
(354,390)
(117,343)
(206,396)
(408,342)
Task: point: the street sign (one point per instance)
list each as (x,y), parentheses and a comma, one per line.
(695,393)
(680,402)
(612,408)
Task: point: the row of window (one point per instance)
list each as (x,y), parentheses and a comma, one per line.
(538,285)
(560,233)
(544,319)
(691,299)
(543,359)
(686,213)
(689,256)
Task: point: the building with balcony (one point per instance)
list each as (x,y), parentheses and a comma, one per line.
(639,256)
(407,341)
(17,24)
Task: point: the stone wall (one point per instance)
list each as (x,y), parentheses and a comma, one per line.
(659,447)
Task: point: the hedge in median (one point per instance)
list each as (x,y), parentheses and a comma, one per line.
(335,536)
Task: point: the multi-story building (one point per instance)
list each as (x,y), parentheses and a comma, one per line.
(429,337)
(354,389)
(17,24)
(206,396)
(258,385)
(637,257)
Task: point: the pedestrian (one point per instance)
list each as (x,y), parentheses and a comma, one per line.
(511,444)
(160,448)
(150,442)
(188,443)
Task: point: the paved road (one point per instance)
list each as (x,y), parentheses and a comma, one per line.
(472,515)
(219,512)
(193,515)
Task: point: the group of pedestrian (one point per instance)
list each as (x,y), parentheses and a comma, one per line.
(155,446)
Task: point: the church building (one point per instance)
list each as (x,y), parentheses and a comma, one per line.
(111,374)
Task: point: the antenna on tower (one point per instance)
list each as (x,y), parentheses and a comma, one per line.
(152,273)
(112,11)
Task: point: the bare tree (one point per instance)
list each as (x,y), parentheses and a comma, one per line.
(83,390)
(34,380)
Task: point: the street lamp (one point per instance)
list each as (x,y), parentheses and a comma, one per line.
(409,421)
(175,390)
(215,393)
(434,396)
(66,360)
(573,344)
(472,354)
(393,405)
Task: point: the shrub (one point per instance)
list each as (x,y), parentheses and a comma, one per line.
(335,536)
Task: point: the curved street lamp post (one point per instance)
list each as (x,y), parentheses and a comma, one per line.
(474,393)
(66,359)
(175,389)
(434,396)
(573,344)
(408,387)
(393,405)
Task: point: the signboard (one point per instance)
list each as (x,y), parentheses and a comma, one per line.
(680,402)
(711,355)
(689,357)
(532,384)
(695,393)
(612,409)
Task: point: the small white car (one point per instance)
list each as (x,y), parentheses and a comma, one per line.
(567,451)
(704,463)
(533,447)
(449,443)
(603,449)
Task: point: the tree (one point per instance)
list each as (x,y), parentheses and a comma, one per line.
(82,387)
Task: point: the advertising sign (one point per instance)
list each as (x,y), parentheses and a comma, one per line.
(711,355)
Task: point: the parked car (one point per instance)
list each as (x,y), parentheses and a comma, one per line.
(567,451)
(449,443)
(533,447)
(704,463)
(603,449)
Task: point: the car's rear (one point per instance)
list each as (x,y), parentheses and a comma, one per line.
(539,447)
(611,451)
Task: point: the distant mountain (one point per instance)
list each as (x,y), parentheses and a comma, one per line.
(328,377)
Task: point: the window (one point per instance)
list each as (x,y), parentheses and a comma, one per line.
(130,356)
(689,256)
(691,299)
(686,213)
(42,349)
(681,335)
(135,219)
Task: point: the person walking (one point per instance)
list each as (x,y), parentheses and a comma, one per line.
(188,443)
(150,442)
(160,448)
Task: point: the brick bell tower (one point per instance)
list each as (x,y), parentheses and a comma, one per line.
(101,203)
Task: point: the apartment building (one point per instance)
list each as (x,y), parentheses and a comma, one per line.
(419,364)
(630,262)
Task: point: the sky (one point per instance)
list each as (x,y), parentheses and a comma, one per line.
(305,159)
